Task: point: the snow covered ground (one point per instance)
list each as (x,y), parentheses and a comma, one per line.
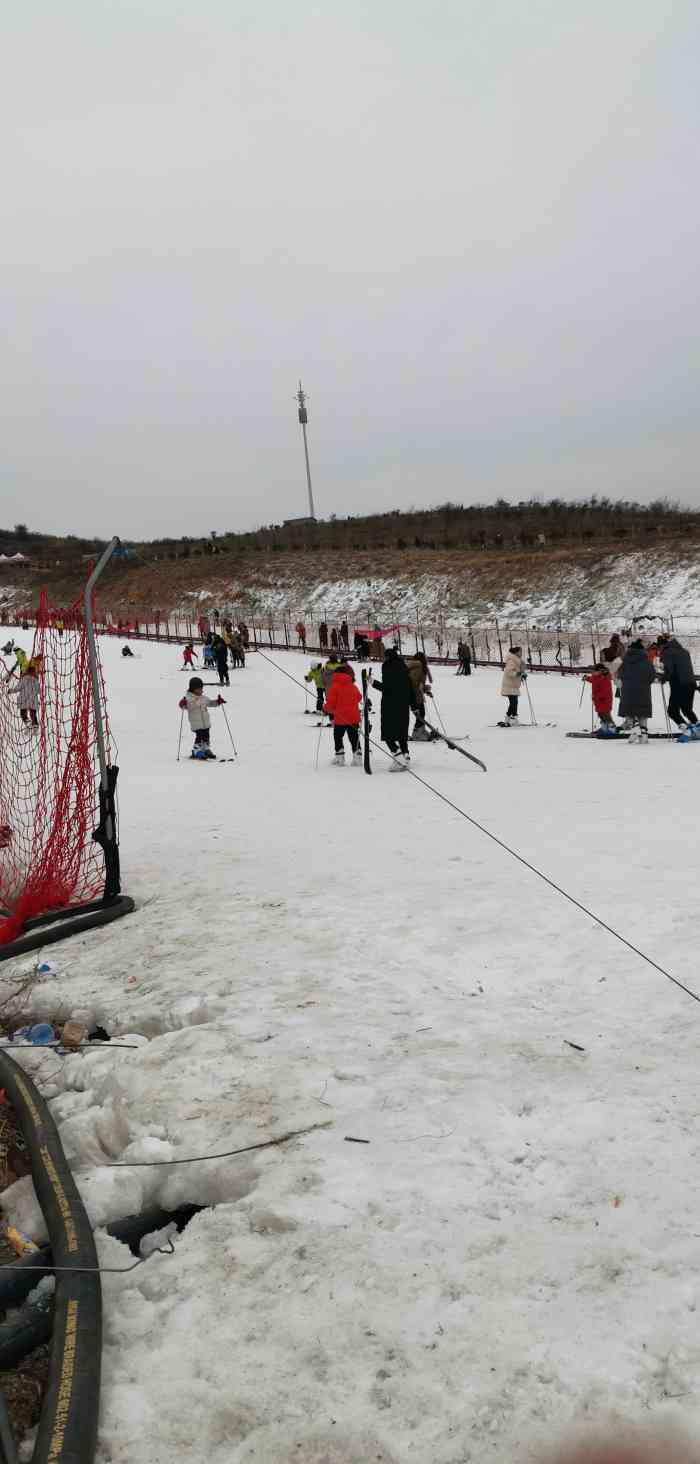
(512,1251)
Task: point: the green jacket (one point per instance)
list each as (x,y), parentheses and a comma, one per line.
(315,675)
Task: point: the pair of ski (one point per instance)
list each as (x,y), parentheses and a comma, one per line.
(520,725)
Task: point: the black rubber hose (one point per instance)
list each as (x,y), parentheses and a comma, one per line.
(30,1329)
(67,1432)
(8,1448)
(121,906)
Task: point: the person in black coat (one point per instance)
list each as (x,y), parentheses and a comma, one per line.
(398,698)
(636,678)
(220,649)
(678,672)
(464,657)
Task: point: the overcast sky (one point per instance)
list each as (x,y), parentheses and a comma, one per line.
(470,226)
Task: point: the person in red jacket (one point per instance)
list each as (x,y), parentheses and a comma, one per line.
(343,705)
(602,691)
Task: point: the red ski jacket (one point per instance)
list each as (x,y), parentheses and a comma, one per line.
(343,701)
(602,689)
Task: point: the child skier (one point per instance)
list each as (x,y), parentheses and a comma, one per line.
(188,654)
(316,675)
(197,707)
(601,684)
(28,695)
(343,705)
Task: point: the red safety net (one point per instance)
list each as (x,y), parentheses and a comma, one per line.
(49,772)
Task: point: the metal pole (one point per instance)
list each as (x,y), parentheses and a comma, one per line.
(312,510)
(303,419)
(94,672)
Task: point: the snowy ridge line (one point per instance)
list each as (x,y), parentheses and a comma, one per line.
(532,867)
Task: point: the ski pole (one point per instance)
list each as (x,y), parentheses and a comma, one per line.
(321,731)
(437,710)
(179,740)
(663,698)
(533,719)
(230,733)
(583,688)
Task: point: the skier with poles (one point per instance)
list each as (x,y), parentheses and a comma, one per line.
(197,707)
(678,672)
(398,699)
(188,655)
(601,685)
(514,674)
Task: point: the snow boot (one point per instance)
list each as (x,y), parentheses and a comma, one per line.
(512,722)
(357,759)
(339,760)
(421,733)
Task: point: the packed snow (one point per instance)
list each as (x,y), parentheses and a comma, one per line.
(510,1252)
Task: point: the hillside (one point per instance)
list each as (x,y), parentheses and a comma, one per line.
(548,563)
(563,585)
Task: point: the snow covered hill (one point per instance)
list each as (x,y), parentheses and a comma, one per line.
(557,589)
(490,1236)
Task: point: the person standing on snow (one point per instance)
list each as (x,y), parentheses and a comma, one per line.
(514,674)
(601,686)
(398,698)
(343,705)
(323,636)
(316,675)
(197,707)
(678,672)
(464,656)
(419,672)
(345,634)
(221,653)
(28,696)
(636,678)
(188,654)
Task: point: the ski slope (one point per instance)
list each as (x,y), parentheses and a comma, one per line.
(513,1251)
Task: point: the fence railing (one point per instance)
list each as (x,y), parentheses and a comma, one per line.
(564,648)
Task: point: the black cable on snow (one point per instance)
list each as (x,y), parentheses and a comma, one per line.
(532,867)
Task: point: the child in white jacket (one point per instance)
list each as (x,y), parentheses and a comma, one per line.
(197,707)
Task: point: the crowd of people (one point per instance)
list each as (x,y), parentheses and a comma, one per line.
(628,668)
(217,646)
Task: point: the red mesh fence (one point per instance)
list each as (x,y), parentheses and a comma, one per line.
(49,772)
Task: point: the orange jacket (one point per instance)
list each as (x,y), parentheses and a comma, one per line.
(343,701)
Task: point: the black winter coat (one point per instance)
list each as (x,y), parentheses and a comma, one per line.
(398,696)
(677,664)
(636,678)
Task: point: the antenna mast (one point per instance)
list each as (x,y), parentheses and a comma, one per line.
(303,419)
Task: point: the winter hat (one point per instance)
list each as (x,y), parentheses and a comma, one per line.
(196,684)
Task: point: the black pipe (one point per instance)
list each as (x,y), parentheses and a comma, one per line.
(67,1432)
